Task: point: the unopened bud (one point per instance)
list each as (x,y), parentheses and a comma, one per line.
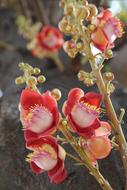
(108,53)
(19,80)
(93,11)
(36,71)
(109,76)
(81,75)
(41,79)
(32,81)
(56,93)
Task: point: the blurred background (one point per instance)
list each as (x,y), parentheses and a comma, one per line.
(15,173)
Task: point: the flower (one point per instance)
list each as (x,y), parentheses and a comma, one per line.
(108,28)
(99,145)
(82,111)
(50,38)
(39,114)
(47,156)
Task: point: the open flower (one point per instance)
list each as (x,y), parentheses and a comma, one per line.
(99,145)
(82,111)
(108,28)
(47,156)
(39,114)
(50,38)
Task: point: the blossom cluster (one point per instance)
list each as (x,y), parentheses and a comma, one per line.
(40,117)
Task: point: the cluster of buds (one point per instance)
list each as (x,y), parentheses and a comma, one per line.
(87,78)
(101,31)
(31,76)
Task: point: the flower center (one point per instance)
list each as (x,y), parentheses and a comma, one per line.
(84,114)
(38,119)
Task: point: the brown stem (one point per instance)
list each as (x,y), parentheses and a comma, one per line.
(93,170)
(121,141)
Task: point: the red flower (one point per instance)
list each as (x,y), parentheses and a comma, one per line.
(39,114)
(99,145)
(47,156)
(108,28)
(50,38)
(82,111)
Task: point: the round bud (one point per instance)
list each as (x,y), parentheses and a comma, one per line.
(108,53)
(109,76)
(93,11)
(36,71)
(32,81)
(41,79)
(92,27)
(63,24)
(64,122)
(82,13)
(22,65)
(68,10)
(19,80)
(56,94)
(79,46)
(85,2)
(81,75)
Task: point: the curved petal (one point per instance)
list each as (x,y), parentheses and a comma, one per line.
(32,145)
(30,136)
(58,174)
(30,98)
(86,132)
(48,101)
(35,168)
(105,14)
(74,96)
(93,99)
(103,130)
(100,147)
(100,43)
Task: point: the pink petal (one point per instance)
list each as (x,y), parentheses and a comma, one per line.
(41,120)
(104,129)
(81,117)
(35,168)
(74,96)
(44,161)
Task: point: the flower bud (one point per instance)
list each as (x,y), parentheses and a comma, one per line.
(89,82)
(68,10)
(82,13)
(36,71)
(41,79)
(56,93)
(82,75)
(32,81)
(70,48)
(109,76)
(19,80)
(93,11)
(108,53)
(92,27)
